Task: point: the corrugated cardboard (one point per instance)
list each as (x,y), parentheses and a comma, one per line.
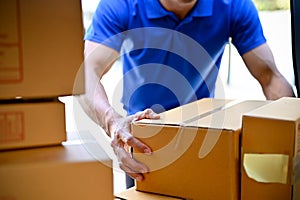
(270,151)
(194,160)
(25,125)
(41,48)
(66,172)
(133,194)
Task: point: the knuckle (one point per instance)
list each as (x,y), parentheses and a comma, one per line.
(130,139)
(138,113)
(114,142)
(148,110)
(122,166)
(122,160)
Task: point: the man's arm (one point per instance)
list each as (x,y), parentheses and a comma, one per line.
(98,60)
(261,64)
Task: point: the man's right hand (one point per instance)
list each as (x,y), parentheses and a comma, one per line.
(123,141)
(98,60)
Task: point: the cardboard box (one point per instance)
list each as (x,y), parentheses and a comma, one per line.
(41,48)
(66,172)
(32,124)
(133,194)
(194,159)
(271,151)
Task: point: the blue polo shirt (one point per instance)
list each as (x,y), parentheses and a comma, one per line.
(169,62)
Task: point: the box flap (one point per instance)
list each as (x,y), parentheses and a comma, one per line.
(286,108)
(188,112)
(226,119)
(230,118)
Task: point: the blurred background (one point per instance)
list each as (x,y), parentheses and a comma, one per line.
(234,79)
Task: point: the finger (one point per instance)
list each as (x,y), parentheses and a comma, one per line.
(134,171)
(137,176)
(130,140)
(127,163)
(149,113)
(146,114)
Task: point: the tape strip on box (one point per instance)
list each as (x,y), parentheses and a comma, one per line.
(267,168)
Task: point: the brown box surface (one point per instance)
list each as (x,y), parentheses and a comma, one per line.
(271,151)
(32,124)
(66,172)
(41,48)
(198,159)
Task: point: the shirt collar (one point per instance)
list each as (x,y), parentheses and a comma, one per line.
(203,8)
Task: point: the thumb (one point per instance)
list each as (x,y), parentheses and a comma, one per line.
(146,114)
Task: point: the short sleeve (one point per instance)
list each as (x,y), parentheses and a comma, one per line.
(108,23)
(246,30)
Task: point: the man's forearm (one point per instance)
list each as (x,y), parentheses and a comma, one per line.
(98,108)
(261,65)
(98,60)
(277,88)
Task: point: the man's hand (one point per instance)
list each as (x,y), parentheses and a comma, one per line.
(98,60)
(123,141)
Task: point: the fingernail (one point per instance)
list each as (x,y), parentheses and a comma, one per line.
(139,178)
(145,171)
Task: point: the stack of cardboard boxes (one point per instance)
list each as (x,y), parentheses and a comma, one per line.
(220,149)
(41,55)
(208,149)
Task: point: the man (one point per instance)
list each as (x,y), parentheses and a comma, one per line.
(171,51)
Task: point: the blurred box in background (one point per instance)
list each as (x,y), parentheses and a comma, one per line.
(66,172)
(41,48)
(24,125)
(271,151)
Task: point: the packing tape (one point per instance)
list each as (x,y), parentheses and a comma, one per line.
(212,136)
(267,168)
